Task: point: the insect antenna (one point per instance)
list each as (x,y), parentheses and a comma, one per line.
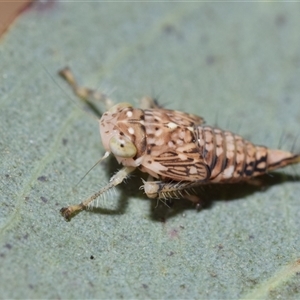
(106,154)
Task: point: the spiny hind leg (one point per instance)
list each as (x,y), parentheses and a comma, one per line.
(168,190)
(84,93)
(72,210)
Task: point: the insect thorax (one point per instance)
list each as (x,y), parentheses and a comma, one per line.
(166,141)
(172,145)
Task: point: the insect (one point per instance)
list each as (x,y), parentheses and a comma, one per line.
(176,149)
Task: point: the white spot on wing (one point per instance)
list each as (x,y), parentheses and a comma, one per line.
(129,114)
(170,144)
(158,132)
(193,170)
(172,125)
(227,173)
(130,129)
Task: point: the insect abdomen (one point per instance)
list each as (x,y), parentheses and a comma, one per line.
(231,158)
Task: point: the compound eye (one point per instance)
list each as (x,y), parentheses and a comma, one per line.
(122,147)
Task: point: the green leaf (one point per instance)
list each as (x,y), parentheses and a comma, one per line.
(237,63)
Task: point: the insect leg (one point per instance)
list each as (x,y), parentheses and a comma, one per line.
(72,210)
(84,93)
(169,190)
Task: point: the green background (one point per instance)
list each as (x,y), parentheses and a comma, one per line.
(237,64)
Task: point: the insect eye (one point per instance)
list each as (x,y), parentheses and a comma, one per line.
(122,147)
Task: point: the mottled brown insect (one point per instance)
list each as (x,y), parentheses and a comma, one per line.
(176,149)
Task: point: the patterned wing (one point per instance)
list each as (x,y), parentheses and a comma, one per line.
(171,146)
(184,118)
(177,117)
(182,164)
